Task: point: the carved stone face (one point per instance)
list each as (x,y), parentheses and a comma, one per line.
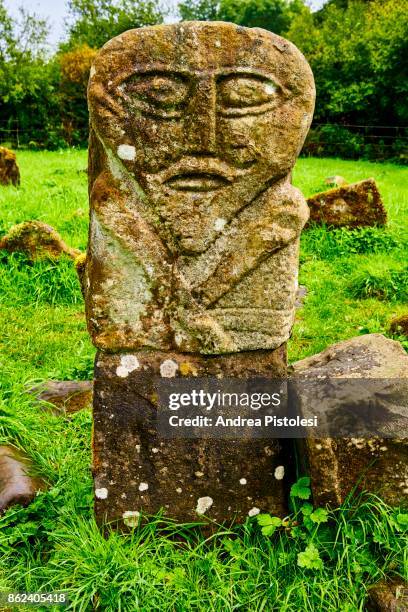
(204,116)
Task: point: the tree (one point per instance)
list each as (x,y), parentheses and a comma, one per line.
(74,68)
(273,15)
(28,80)
(357,56)
(94,22)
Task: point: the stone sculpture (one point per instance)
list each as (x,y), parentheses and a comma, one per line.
(194,234)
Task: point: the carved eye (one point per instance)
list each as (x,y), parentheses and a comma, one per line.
(163,91)
(245,92)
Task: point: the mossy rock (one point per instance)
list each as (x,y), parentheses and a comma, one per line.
(37,240)
(399,325)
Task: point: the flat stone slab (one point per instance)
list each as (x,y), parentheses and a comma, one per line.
(66,395)
(355,205)
(135,470)
(336,465)
(37,240)
(16,484)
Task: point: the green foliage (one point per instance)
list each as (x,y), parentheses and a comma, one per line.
(381,284)
(268,523)
(94,22)
(75,66)
(43,282)
(321,243)
(29,110)
(356,51)
(310,558)
(274,15)
(301,488)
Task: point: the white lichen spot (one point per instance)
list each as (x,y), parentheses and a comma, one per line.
(318,446)
(218,43)
(126,152)
(268,451)
(155,450)
(204,504)
(199,474)
(179,490)
(138,448)
(219,224)
(143,486)
(128,363)
(270,88)
(101,493)
(243,481)
(279,472)
(254,511)
(123,496)
(168,368)
(131,518)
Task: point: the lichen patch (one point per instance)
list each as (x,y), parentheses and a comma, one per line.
(131,518)
(128,363)
(254,511)
(204,504)
(101,493)
(168,368)
(126,152)
(279,472)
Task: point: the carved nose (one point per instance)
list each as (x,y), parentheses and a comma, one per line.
(200,122)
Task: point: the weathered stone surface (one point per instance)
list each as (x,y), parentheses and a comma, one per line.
(37,240)
(9,171)
(388,596)
(336,465)
(337,180)
(135,470)
(399,325)
(16,484)
(195,226)
(66,395)
(354,205)
(300,296)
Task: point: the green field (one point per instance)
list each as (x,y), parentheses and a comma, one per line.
(357,282)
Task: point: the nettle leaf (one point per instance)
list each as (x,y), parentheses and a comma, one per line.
(320,515)
(310,558)
(402,519)
(268,523)
(306,509)
(301,488)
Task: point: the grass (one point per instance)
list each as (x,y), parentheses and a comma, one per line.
(356,284)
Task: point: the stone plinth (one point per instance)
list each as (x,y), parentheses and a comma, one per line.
(136,470)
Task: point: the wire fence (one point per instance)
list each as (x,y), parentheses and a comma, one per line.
(351,140)
(354,140)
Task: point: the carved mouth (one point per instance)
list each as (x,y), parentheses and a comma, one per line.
(197,181)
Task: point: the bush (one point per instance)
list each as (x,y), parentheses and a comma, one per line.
(321,243)
(382,285)
(338,141)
